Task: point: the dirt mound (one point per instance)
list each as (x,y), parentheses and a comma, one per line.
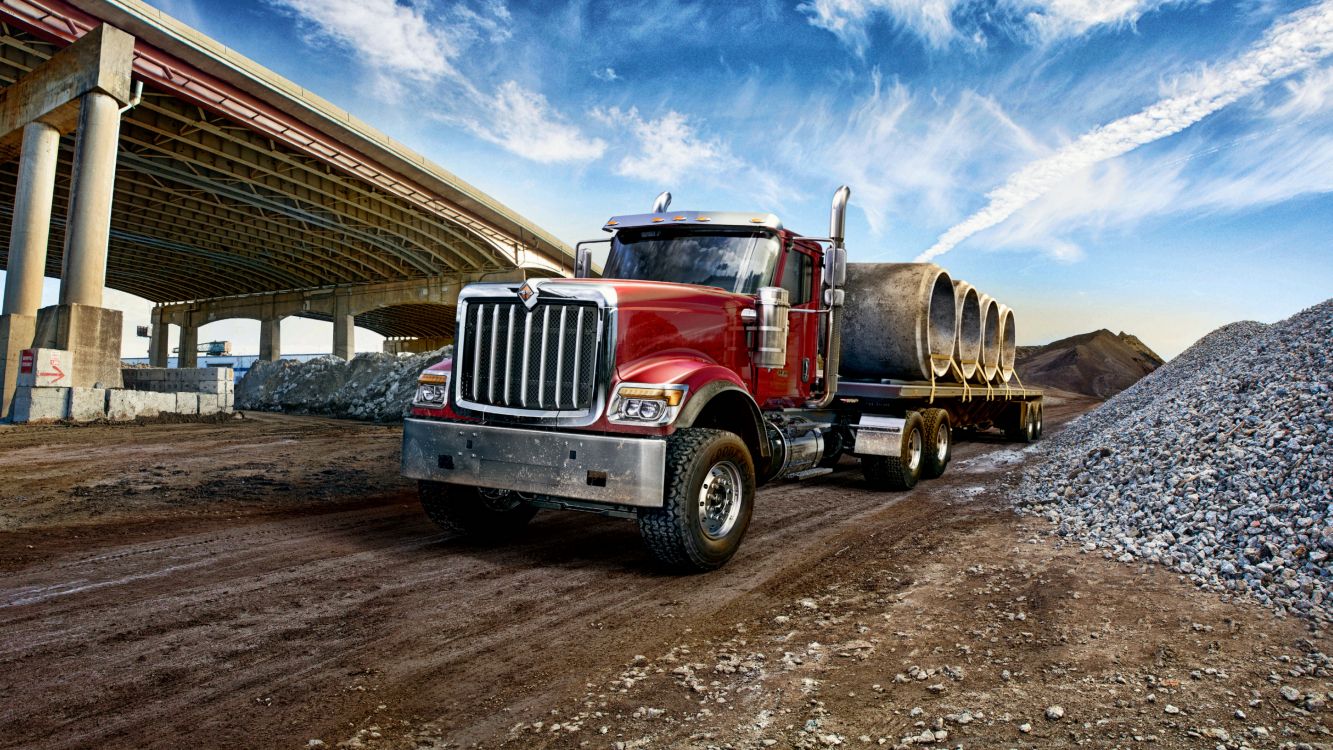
(374,386)
(1099,364)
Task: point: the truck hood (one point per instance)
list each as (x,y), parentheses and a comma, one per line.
(657,319)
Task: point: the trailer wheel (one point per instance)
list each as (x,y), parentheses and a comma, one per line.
(707,503)
(1022,426)
(899,472)
(937,429)
(485,515)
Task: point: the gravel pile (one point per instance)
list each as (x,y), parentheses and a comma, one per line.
(1218,465)
(375,386)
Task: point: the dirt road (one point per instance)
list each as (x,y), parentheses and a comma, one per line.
(270,582)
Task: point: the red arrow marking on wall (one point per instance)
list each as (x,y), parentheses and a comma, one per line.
(59,373)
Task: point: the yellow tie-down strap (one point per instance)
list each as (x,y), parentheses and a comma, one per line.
(937,358)
(966,387)
(967,391)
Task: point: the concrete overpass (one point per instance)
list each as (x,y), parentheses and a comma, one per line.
(223,190)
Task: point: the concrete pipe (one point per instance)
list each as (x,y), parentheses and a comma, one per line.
(899,321)
(967,343)
(990,339)
(1008,344)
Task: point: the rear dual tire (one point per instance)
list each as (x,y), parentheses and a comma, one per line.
(901,472)
(1025,426)
(938,431)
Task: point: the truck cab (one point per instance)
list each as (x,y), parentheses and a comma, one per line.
(642,393)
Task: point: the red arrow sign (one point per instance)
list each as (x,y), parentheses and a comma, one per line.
(59,373)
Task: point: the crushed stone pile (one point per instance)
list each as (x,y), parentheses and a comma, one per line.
(373,386)
(1218,465)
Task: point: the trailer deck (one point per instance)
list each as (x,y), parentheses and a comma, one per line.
(886,390)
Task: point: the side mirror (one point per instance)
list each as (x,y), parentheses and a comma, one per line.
(582,262)
(835,267)
(772,325)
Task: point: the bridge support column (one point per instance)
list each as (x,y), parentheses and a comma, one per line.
(88,228)
(159,345)
(188,353)
(28,237)
(344,328)
(270,339)
(31,229)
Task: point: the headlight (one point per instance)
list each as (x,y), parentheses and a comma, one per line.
(646,404)
(432,390)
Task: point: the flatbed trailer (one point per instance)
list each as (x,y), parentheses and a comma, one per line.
(1015,410)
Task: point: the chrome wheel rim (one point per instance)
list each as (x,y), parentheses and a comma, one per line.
(942,440)
(720,500)
(914,450)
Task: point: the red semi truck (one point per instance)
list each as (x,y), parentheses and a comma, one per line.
(703,363)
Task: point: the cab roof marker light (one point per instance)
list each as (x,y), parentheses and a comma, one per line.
(702,218)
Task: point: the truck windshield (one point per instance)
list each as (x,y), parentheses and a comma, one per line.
(737,261)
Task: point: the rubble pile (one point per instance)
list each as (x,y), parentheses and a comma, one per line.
(373,386)
(1218,465)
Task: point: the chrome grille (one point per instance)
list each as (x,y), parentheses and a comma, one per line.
(543,359)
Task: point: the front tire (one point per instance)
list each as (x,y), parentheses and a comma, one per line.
(903,471)
(707,503)
(484,515)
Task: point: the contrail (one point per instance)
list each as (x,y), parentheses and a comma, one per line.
(1298,41)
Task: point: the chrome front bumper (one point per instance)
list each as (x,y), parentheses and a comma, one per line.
(613,470)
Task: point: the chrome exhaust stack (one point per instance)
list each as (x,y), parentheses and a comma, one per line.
(835,275)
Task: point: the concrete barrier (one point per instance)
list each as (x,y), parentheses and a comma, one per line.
(33,404)
(87,404)
(176,379)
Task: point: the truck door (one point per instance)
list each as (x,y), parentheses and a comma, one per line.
(791,385)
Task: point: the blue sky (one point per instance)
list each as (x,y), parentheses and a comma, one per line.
(1156,166)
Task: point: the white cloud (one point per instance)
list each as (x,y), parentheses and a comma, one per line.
(1265,168)
(1295,43)
(906,153)
(847,19)
(605,74)
(1057,19)
(667,148)
(937,22)
(523,122)
(388,35)
(670,150)
(1312,94)
(398,39)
